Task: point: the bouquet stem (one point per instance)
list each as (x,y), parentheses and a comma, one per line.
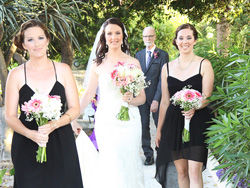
(41,155)
(186,133)
(123,114)
(41,152)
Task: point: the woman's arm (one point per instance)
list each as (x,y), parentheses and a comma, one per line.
(207,81)
(91,87)
(128,97)
(88,94)
(165,101)
(135,101)
(11,108)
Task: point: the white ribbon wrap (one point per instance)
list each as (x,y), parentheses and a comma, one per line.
(42,144)
(125,104)
(186,124)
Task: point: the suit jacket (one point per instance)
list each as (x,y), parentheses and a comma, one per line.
(153,72)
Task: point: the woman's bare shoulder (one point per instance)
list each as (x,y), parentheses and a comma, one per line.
(17,71)
(132,60)
(172,63)
(16,76)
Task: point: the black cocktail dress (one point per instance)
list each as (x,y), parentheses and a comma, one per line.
(171,146)
(62,167)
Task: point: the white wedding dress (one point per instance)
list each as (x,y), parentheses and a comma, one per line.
(118,163)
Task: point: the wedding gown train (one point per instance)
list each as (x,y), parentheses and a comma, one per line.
(118,163)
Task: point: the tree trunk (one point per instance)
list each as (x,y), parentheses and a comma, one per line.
(223,32)
(10,54)
(3,73)
(3,69)
(67,52)
(19,58)
(1,101)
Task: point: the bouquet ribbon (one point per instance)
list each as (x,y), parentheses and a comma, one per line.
(186,133)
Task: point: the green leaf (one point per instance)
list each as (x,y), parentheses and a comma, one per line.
(223,166)
(2,173)
(12,171)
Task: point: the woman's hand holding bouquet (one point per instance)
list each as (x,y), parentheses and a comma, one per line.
(189,100)
(42,108)
(130,80)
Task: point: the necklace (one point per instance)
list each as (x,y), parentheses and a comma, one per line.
(188,64)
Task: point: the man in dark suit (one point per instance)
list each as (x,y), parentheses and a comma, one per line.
(151,59)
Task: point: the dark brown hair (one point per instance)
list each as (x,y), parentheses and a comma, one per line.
(19,37)
(185,26)
(101,49)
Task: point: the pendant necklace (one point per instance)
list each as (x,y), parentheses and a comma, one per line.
(188,64)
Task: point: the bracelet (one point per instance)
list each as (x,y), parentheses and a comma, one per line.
(53,125)
(68,116)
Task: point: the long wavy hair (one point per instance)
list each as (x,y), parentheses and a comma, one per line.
(101,49)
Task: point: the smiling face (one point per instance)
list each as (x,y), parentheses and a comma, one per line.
(113,36)
(35,41)
(185,40)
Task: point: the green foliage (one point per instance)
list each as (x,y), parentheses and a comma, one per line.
(229,136)
(239,45)
(234,90)
(59,16)
(211,10)
(229,139)
(12,171)
(2,173)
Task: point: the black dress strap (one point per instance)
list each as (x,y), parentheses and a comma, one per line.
(25,73)
(167,68)
(54,69)
(200,65)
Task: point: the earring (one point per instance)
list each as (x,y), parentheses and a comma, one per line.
(122,46)
(24,53)
(48,54)
(106,46)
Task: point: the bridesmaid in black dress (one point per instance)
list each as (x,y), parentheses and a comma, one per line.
(62,167)
(188,69)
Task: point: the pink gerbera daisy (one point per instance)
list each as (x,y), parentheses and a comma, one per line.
(188,95)
(35,105)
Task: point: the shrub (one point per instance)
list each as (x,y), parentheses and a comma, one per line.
(229,136)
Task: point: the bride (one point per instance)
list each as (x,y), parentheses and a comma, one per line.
(118,163)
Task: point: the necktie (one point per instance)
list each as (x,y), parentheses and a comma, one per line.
(149,58)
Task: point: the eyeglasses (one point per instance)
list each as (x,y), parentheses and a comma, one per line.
(148,36)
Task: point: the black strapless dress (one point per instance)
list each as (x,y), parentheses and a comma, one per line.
(62,168)
(171,146)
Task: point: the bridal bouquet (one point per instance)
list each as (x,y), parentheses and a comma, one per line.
(129,78)
(42,108)
(187,99)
